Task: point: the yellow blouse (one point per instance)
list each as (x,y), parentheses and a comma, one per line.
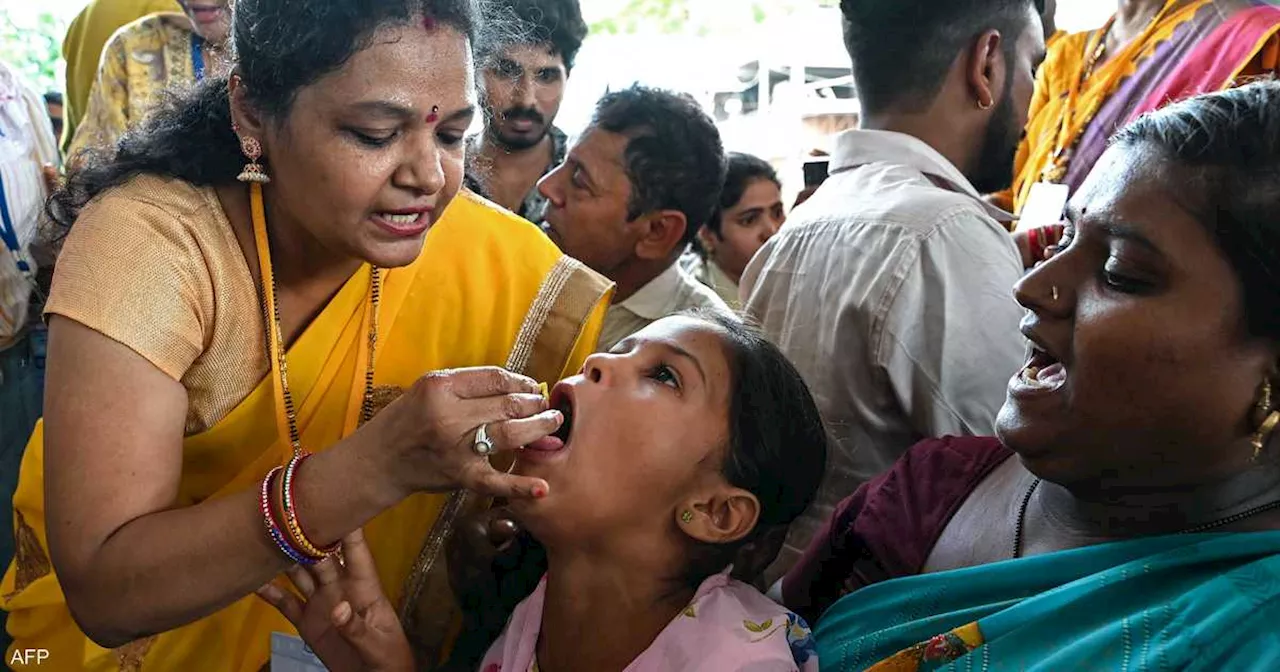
(142,61)
(204,326)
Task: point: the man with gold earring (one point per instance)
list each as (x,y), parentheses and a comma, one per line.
(889,290)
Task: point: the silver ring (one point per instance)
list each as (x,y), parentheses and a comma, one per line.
(483,445)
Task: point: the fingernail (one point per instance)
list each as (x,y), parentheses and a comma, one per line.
(342,613)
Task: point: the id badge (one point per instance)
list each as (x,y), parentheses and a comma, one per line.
(1045,206)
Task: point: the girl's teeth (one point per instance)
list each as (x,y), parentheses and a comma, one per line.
(401,219)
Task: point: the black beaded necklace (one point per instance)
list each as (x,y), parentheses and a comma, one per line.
(1222,522)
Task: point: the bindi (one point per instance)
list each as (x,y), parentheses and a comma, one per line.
(435,114)
(428,23)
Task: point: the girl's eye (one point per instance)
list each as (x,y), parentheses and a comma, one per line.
(666,376)
(450,139)
(750,220)
(380,140)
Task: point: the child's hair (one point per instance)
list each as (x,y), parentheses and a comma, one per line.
(777,448)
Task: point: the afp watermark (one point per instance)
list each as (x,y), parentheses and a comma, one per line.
(28,657)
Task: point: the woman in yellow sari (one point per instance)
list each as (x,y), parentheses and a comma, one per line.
(205,331)
(1150,53)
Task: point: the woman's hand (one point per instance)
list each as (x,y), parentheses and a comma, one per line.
(342,614)
(430,432)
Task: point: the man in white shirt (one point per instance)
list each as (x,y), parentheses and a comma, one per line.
(28,154)
(630,197)
(891,288)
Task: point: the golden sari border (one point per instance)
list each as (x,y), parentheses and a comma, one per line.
(551,328)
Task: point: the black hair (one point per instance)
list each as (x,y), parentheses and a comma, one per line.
(53,97)
(674,158)
(741,171)
(1230,142)
(280,47)
(777,448)
(903,49)
(556,23)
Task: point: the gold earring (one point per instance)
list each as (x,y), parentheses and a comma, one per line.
(1267,420)
(253,171)
(686,517)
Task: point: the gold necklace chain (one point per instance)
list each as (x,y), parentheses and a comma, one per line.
(275,335)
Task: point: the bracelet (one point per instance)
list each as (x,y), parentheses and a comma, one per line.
(292,525)
(1037,247)
(273,529)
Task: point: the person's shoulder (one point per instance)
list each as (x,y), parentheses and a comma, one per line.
(151,27)
(168,212)
(740,624)
(697,294)
(486,222)
(949,456)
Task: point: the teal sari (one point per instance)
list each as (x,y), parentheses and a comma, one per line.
(1191,602)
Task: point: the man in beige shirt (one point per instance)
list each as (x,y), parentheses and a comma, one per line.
(629,198)
(891,289)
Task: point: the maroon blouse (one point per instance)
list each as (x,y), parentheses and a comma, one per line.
(889,526)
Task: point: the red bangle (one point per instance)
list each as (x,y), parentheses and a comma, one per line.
(1033,241)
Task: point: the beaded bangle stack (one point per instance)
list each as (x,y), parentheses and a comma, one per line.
(290,538)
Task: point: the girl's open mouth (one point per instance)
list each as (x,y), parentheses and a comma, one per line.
(561,400)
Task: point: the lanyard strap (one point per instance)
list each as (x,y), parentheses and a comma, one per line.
(197,56)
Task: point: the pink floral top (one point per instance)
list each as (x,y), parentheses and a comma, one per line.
(728,626)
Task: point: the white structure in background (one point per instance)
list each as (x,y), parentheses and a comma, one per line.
(807,94)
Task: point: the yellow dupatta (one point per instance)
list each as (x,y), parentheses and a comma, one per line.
(464,302)
(1066,101)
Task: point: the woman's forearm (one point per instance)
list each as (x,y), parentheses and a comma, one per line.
(170,568)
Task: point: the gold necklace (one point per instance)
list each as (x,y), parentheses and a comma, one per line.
(286,412)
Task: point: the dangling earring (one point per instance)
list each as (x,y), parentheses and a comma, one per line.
(686,517)
(1267,419)
(253,171)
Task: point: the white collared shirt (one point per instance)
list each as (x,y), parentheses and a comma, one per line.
(891,290)
(26,146)
(673,291)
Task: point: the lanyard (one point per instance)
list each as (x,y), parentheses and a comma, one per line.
(197,56)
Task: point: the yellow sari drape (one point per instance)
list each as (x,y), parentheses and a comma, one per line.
(1063,105)
(464,302)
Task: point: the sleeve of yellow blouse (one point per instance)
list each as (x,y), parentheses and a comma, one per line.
(134,272)
(105,117)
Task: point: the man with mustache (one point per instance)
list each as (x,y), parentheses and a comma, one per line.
(891,288)
(523,88)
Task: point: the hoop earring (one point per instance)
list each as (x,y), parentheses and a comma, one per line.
(253,171)
(986,106)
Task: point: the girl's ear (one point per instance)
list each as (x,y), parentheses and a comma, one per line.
(720,516)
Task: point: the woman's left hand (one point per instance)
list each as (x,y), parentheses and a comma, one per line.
(343,615)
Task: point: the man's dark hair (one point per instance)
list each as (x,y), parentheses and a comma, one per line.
(902,49)
(557,23)
(53,98)
(674,158)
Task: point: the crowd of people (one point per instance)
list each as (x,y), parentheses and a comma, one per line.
(324,367)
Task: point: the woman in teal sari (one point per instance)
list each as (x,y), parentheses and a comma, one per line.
(1128,515)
